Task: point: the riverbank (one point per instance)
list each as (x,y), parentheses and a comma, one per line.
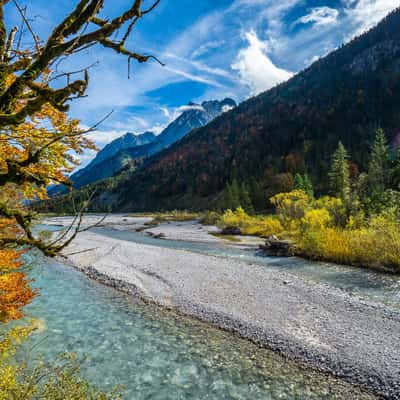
(320,326)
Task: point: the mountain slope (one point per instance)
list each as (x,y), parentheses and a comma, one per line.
(195,116)
(96,170)
(124,150)
(294,127)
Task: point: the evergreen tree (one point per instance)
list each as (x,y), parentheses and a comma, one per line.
(235,195)
(257,195)
(298,181)
(339,175)
(227,198)
(245,200)
(231,197)
(379,164)
(395,172)
(303,182)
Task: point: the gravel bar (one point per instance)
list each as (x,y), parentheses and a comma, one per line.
(318,325)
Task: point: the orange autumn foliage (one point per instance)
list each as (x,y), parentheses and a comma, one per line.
(15,290)
(33,155)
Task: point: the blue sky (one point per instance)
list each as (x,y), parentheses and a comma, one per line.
(212,49)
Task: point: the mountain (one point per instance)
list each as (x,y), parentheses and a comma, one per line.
(97,170)
(123,152)
(123,142)
(194,116)
(294,127)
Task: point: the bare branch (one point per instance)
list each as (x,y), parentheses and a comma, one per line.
(28,25)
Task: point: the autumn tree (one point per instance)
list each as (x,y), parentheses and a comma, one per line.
(37,140)
(35,96)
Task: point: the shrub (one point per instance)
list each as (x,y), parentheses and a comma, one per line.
(251,225)
(59,379)
(316,219)
(210,218)
(291,206)
(376,246)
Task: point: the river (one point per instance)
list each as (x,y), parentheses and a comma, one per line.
(157,354)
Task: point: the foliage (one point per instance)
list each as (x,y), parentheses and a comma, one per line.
(339,174)
(251,225)
(15,290)
(376,245)
(291,207)
(292,128)
(378,167)
(59,379)
(303,182)
(210,218)
(37,140)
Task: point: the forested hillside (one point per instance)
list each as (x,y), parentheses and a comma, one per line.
(292,128)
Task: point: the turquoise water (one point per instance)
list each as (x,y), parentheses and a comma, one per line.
(369,285)
(158,355)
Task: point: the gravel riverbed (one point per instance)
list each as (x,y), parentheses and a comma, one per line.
(318,325)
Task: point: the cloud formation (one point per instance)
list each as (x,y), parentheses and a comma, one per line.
(320,16)
(256,69)
(365,14)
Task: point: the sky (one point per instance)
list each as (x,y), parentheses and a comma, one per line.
(212,49)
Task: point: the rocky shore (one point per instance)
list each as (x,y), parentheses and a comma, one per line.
(321,326)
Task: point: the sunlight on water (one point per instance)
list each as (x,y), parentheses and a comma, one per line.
(158,355)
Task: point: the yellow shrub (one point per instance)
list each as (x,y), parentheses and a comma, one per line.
(335,207)
(264,226)
(316,219)
(251,225)
(377,246)
(291,206)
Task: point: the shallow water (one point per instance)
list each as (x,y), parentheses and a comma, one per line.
(366,284)
(158,355)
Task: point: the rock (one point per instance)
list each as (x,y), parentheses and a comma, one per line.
(231,230)
(278,248)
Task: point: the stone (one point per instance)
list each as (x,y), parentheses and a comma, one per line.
(231,230)
(278,248)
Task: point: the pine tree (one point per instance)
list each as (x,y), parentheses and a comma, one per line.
(379,164)
(308,186)
(227,199)
(395,172)
(235,195)
(245,200)
(303,182)
(298,182)
(339,175)
(257,195)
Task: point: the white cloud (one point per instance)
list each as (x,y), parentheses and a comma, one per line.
(165,112)
(320,16)
(192,77)
(227,108)
(103,137)
(255,68)
(206,47)
(365,14)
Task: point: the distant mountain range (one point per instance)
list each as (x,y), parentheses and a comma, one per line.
(96,169)
(123,151)
(292,128)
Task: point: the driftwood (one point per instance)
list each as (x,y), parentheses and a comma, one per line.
(278,248)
